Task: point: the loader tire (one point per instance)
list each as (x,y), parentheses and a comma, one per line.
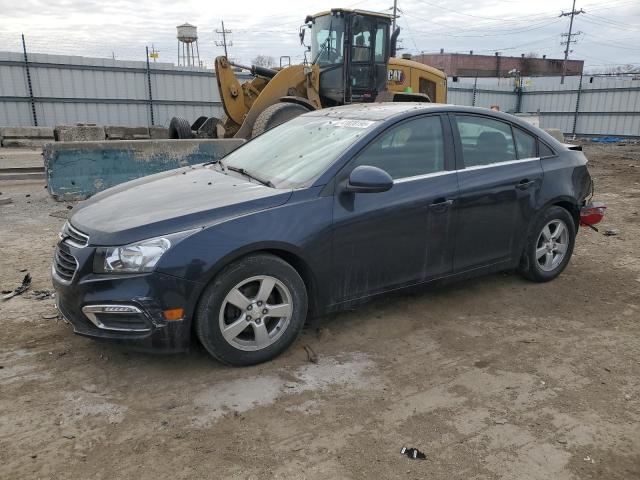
(180,128)
(276,114)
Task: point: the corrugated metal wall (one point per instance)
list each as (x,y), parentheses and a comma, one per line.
(607,105)
(69,90)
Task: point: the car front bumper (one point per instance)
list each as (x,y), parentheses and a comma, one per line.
(126,309)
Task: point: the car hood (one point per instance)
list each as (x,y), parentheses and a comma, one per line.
(170,202)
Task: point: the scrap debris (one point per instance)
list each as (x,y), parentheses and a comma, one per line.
(311,355)
(60,214)
(413,453)
(611,233)
(42,294)
(24,286)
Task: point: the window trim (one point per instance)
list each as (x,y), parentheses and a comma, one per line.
(498,164)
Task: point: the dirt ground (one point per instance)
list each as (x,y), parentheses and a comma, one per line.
(495,378)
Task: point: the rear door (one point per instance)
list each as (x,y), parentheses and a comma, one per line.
(404,235)
(499,174)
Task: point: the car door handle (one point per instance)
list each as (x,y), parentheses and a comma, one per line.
(524,184)
(440,205)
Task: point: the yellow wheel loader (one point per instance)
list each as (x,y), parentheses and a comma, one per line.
(352,60)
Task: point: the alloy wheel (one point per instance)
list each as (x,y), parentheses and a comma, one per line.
(255,313)
(552,245)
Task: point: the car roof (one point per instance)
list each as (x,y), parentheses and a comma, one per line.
(384,111)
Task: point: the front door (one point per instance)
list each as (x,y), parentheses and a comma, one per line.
(402,236)
(499,174)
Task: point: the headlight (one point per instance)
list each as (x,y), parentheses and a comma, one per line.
(133,258)
(136,257)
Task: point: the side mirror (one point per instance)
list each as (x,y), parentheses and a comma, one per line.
(302,33)
(368,179)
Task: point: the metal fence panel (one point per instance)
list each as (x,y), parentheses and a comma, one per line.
(607,105)
(71,89)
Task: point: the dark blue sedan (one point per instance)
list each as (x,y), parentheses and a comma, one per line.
(324,211)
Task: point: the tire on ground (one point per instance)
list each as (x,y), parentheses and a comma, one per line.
(207,315)
(180,128)
(276,114)
(529,266)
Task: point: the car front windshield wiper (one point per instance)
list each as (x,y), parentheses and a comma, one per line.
(247,174)
(214,162)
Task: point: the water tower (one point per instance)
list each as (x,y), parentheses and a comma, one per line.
(188,56)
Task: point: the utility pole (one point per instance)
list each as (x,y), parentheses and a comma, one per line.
(224,43)
(568,42)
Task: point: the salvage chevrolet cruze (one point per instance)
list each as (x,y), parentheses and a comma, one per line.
(324,211)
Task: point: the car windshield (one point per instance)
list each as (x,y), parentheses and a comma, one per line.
(293,154)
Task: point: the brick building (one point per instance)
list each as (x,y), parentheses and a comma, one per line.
(470,65)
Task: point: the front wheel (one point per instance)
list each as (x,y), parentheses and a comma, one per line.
(549,246)
(252,311)
(275,115)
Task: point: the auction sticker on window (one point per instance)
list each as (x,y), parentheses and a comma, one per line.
(353,123)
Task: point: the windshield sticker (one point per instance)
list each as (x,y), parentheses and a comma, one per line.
(353,123)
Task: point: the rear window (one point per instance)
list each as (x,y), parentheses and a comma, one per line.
(545,151)
(525,144)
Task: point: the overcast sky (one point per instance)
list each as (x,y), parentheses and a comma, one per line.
(102,28)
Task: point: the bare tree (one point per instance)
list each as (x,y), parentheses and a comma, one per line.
(263,61)
(622,69)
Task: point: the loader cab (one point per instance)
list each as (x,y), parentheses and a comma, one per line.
(352,49)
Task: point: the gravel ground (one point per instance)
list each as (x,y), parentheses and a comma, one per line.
(494,378)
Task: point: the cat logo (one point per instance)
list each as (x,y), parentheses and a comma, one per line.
(395,75)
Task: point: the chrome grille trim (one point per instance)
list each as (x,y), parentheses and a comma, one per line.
(72,236)
(65,265)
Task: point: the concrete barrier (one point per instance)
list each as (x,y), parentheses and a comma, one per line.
(158,132)
(26,132)
(25,142)
(25,137)
(79,133)
(118,132)
(555,133)
(77,170)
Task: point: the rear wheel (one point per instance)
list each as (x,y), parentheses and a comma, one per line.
(252,311)
(276,114)
(549,246)
(180,128)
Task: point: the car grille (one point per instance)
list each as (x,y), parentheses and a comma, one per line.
(74,237)
(65,264)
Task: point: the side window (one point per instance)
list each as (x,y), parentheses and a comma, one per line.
(545,151)
(484,140)
(380,45)
(415,147)
(525,143)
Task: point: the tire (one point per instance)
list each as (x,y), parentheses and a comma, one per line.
(198,123)
(180,128)
(546,255)
(275,115)
(240,283)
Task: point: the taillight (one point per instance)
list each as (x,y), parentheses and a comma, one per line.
(592,213)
